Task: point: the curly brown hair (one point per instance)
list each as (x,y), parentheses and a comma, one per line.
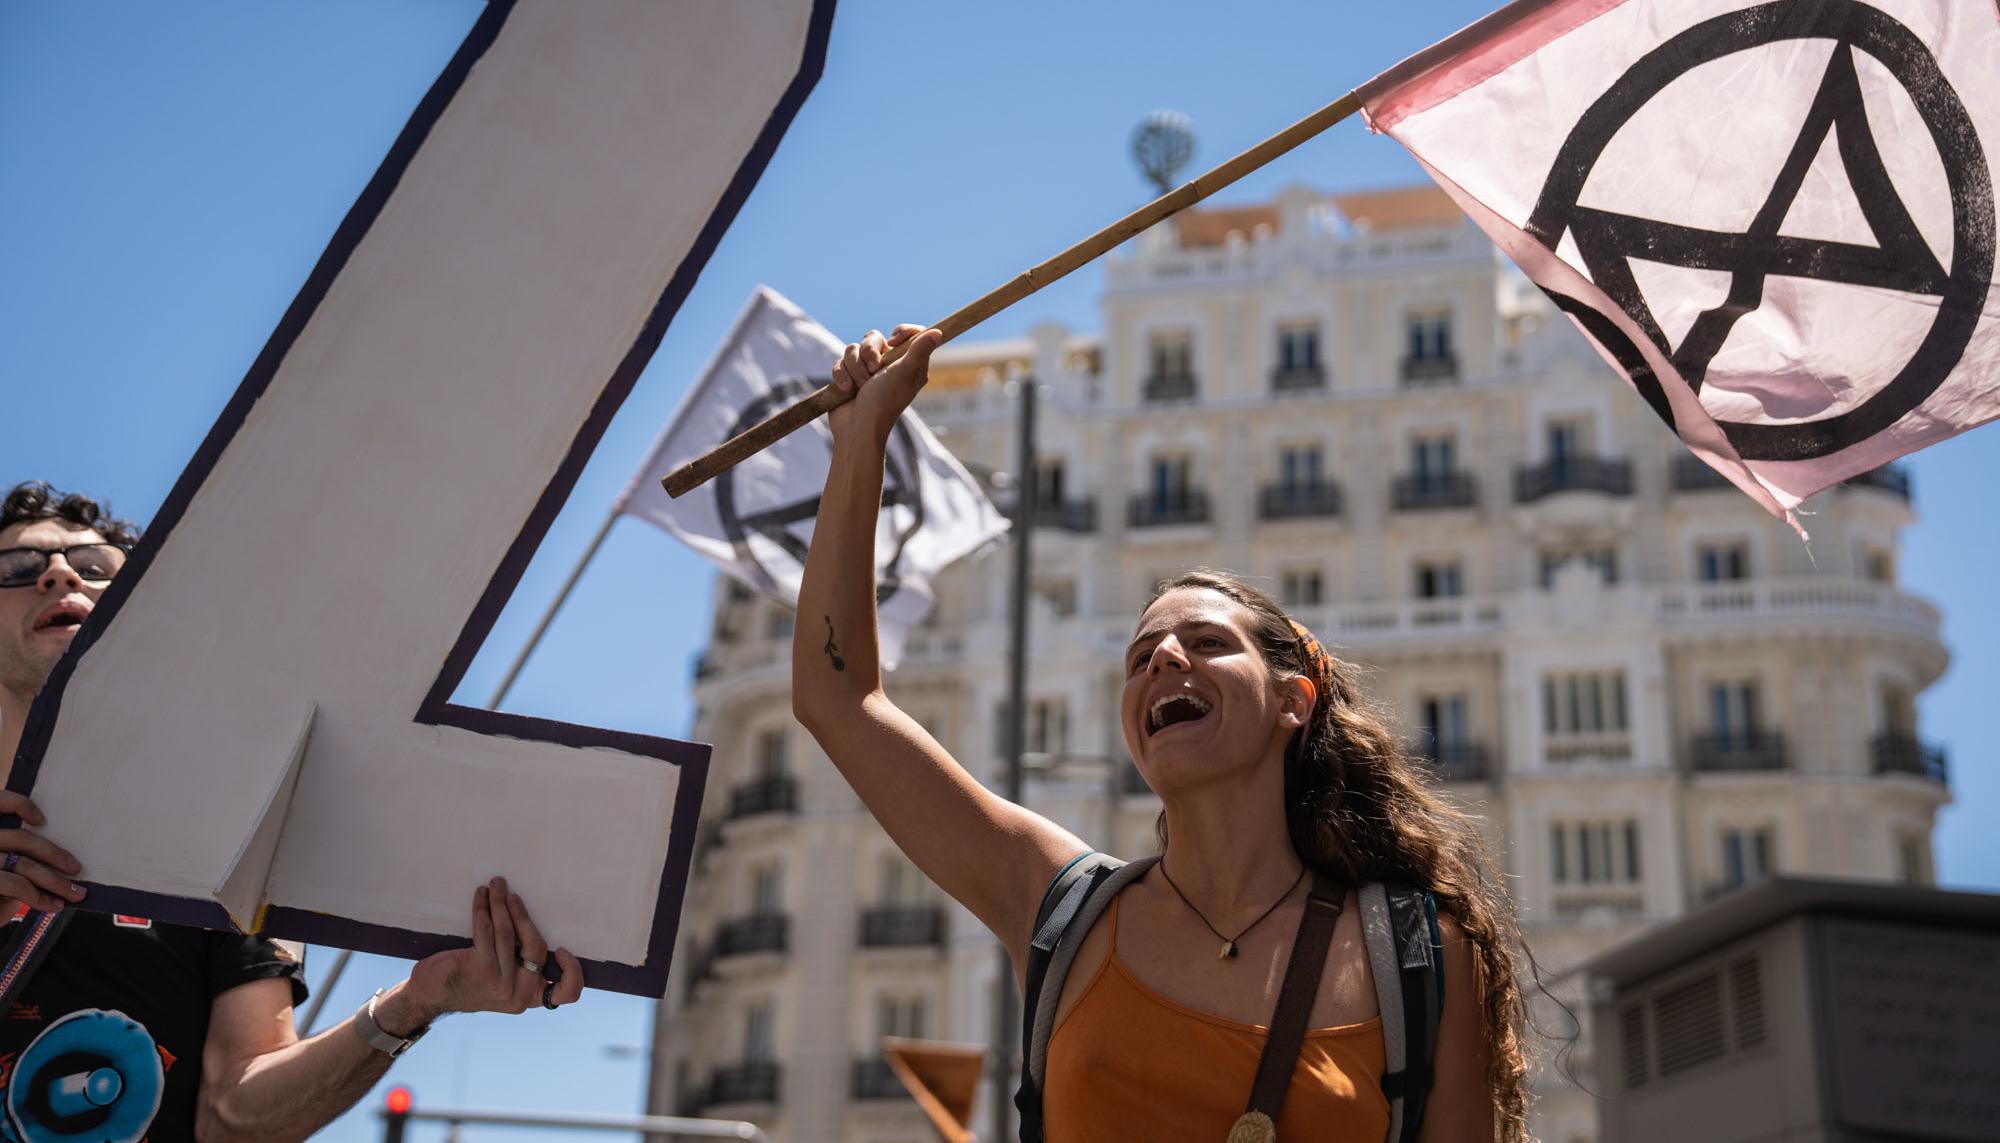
(34,500)
(1358,811)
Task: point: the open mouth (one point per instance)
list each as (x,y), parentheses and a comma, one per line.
(63,617)
(1175,709)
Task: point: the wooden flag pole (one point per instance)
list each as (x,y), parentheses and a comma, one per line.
(755,439)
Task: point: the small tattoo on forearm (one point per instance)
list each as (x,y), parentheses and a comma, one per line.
(833,652)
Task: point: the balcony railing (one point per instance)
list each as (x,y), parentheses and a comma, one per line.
(1624,904)
(1421,490)
(1188,506)
(752,1081)
(875,1079)
(1079,516)
(890,926)
(1898,753)
(1298,378)
(1891,478)
(1293,501)
(1169,387)
(1693,474)
(1574,473)
(765,932)
(774,795)
(1461,761)
(1739,750)
(1441,369)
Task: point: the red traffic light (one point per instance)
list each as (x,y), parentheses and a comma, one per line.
(397,1101)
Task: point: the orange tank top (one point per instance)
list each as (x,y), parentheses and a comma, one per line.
(1126,1064)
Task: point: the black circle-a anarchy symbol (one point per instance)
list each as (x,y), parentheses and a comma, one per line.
(1902,261)
(902,485)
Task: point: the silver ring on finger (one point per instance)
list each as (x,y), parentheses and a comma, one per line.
(13,859)
(549,996)
(533,966)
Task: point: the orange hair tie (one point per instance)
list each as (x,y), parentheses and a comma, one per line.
(1317,661)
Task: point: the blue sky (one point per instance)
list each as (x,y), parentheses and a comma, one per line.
(168,174)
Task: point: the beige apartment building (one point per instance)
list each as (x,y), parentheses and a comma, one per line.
(1650,690)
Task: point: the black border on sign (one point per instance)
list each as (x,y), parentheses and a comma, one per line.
(437,709)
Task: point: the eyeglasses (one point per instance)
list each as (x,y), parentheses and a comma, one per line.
(93,563)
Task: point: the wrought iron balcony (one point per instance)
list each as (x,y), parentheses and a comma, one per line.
(1578,472)
(1149,510)
(1442,369)
(1169,387)
(889,926)
(759,932)
(1693,474)
(775,795)
(1891,478)
(1078,516)
(1739,750)
(1901,753)
(752,1081)
(1460,761)
(1298,378)
(1421,490)
(1292,501)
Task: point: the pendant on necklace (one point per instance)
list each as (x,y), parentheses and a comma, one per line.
(1228,951)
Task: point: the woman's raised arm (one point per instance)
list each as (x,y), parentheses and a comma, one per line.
(992,856)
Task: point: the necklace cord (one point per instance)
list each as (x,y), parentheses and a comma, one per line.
(1229,943)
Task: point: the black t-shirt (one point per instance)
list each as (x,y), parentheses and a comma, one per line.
(105,1042)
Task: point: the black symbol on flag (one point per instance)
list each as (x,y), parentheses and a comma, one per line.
(902,485)
(1900,261)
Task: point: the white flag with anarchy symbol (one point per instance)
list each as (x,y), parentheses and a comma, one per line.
(755,521)
(1776,218)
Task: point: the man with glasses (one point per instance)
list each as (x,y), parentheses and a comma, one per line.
(132,1029)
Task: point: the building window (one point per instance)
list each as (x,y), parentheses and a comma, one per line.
(778,623)
(900,1016)
(760,1036)
(767,891)
(1433,456)
(1913,859)
(1732,709)
(1060,594)
(1878,565)
(1444,719)
(1173,479)
(1595,852)
(1568,438)
(1899,710)
(1722,562)
(1049,483)
(1299,468)
(1046,732)
(1298,347)
(773,754)
(1429,335)
(902,883)
(1302,587)
(1584,702)
(1439,579)
(1603,561)
(1746,854)
(1171,355)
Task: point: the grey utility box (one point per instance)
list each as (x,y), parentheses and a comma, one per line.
(1804,1010)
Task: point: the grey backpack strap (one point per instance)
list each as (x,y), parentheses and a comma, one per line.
(1379,933)
(1035,1061)
(1406,958)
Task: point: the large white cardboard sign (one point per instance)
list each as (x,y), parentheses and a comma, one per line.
(255,728)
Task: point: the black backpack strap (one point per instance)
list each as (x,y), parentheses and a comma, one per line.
(1419,958)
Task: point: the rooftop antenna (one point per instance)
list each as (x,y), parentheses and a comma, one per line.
(1162,146)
